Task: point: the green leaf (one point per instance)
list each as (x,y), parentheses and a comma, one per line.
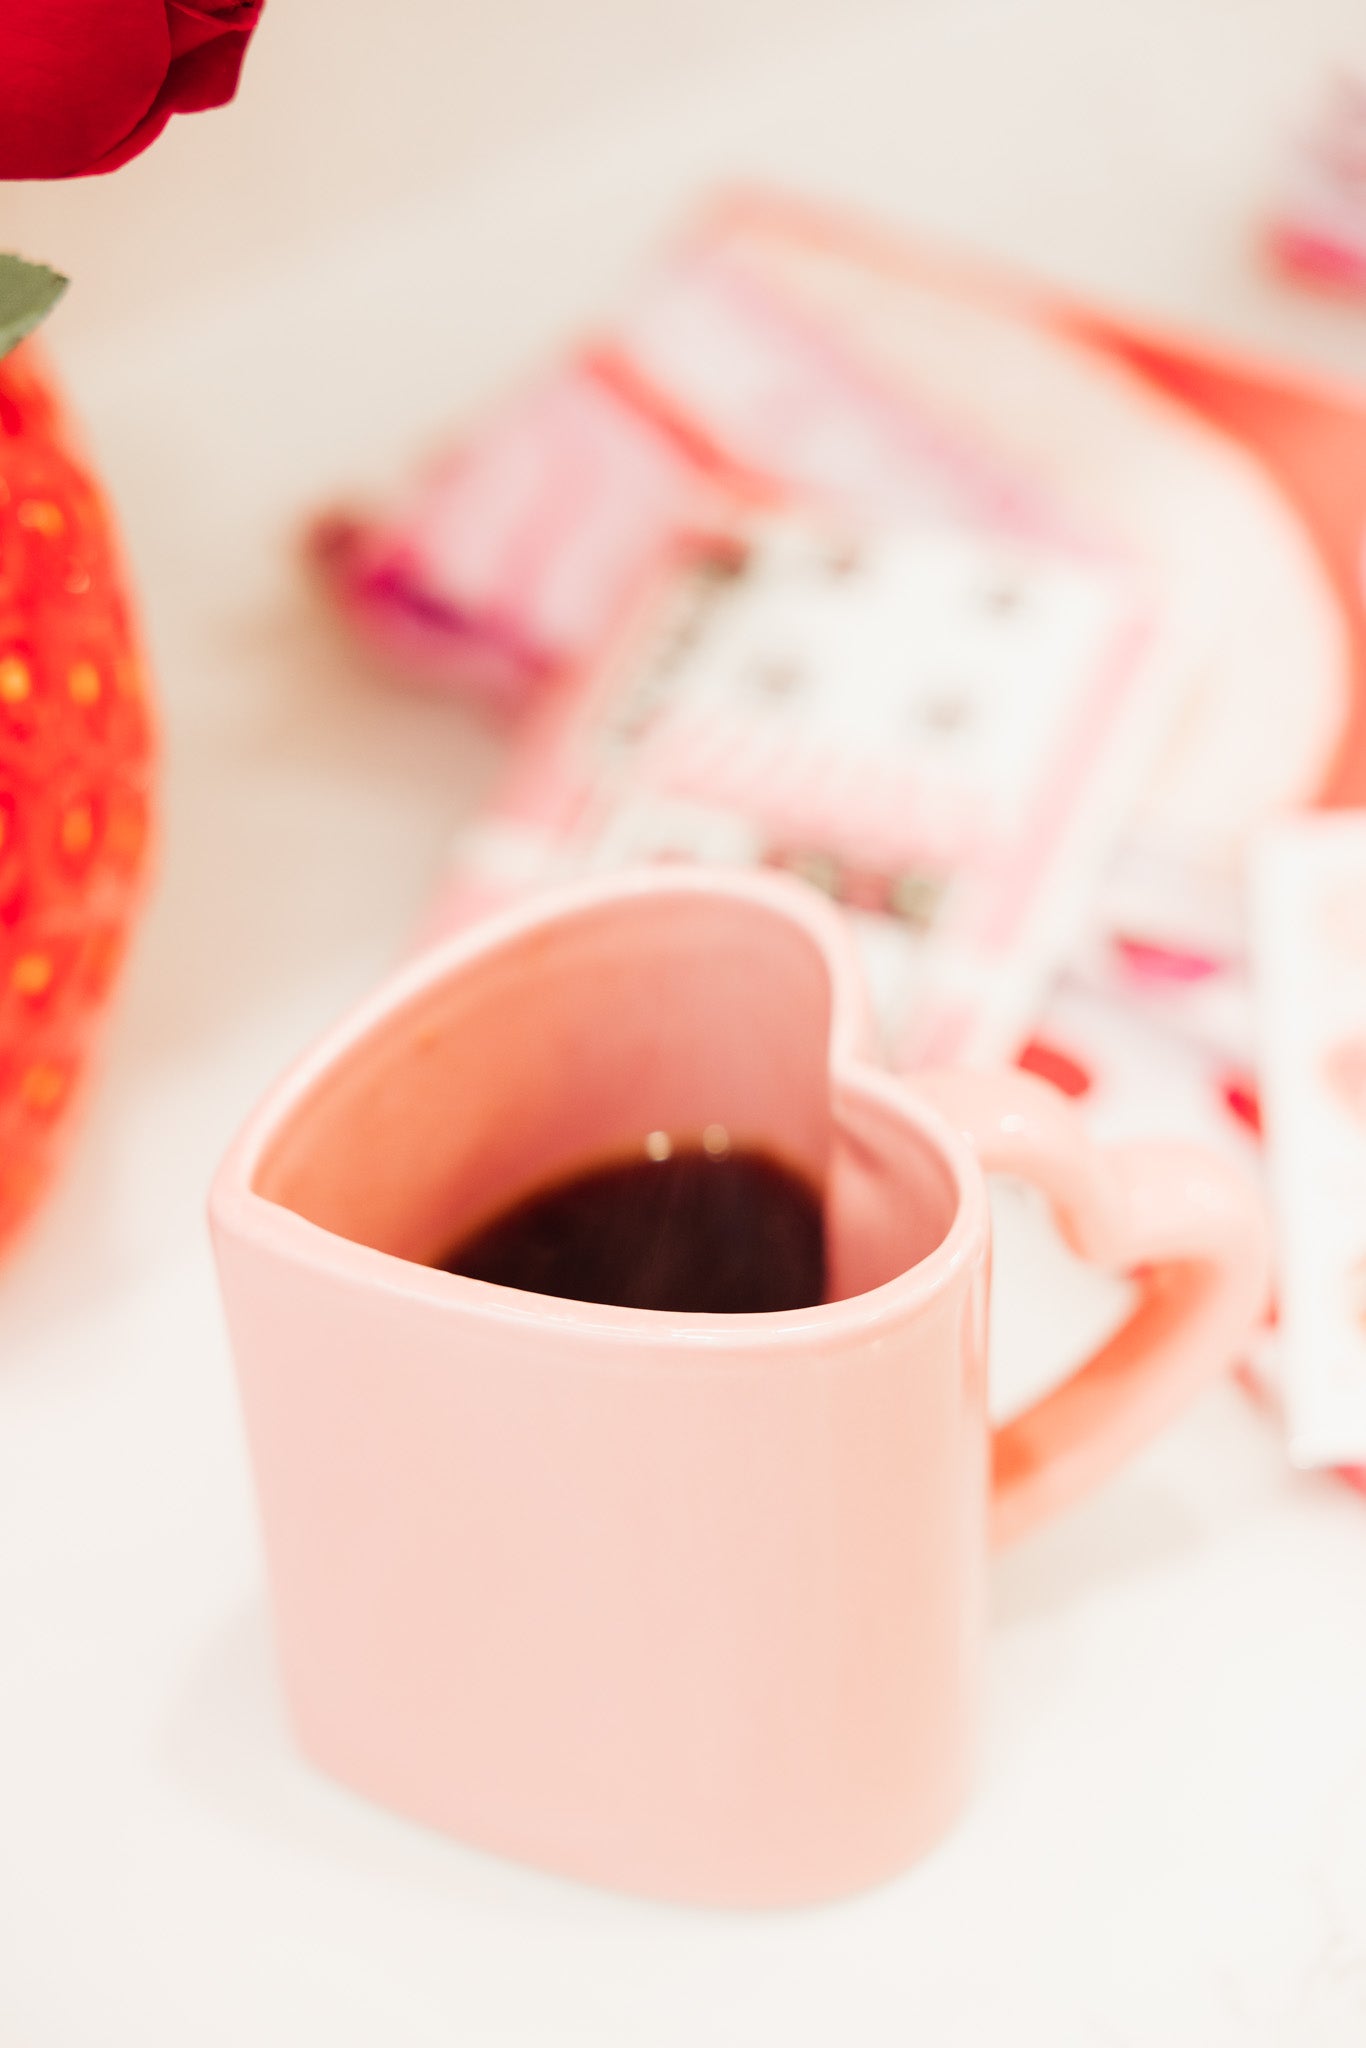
(28,292)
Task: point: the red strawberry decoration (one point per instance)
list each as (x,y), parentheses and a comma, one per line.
(77,747)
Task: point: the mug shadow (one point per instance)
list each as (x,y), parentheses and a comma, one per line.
(229,1744)
(1133,1527)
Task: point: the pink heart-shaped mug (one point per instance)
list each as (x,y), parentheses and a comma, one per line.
(689,1605)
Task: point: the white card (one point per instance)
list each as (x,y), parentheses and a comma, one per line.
(1309,945)
(939,725)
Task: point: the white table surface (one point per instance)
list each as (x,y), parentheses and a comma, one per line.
(1168,1842)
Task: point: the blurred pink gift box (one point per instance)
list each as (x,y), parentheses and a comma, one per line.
(1318,232)
(783,363)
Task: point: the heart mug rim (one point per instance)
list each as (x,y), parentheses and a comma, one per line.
(238,1209)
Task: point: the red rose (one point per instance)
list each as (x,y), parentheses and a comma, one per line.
(85,84)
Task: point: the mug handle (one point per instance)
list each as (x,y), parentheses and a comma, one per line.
(1187,1225)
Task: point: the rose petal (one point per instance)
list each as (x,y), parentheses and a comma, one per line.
(208,47)
(76,77)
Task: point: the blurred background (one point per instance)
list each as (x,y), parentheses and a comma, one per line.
(405,210)
(288,301)
(1118,145)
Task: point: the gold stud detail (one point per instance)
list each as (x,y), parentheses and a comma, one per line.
(43,1086)
(77,829)
(40,515)
(83,682)
(16,679)
(31,974)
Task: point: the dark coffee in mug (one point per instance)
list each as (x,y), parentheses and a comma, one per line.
(692,1228)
